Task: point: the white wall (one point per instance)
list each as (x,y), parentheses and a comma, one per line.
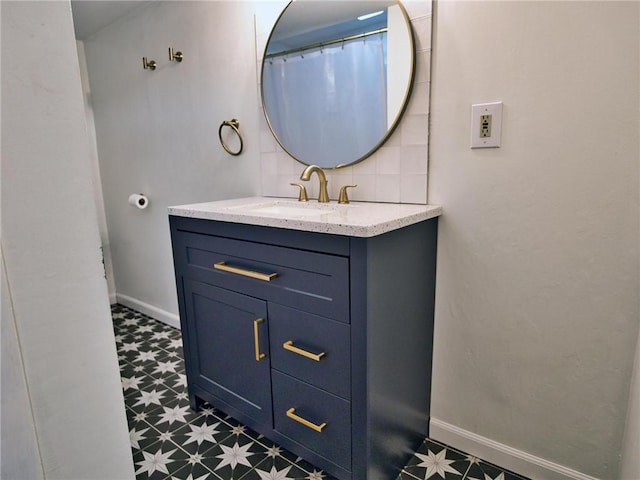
(157,131)
(51,248)
(537,295)
(630,465)
(630,468)
(95,173)
(19,454)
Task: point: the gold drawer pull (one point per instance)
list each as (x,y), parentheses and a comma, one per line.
(291,413)
(313,356)
(256,339)
(247,273)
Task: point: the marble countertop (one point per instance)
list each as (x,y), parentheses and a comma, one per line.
(356,219)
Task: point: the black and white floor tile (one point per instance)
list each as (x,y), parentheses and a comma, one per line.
(169,441)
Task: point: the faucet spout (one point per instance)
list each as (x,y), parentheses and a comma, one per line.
(323,196)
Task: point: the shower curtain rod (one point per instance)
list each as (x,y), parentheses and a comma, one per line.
(324,44)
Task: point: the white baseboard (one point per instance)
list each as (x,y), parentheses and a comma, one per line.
(170,319)
(503,455)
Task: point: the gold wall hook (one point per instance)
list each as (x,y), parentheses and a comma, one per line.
(175,57)
(148,65)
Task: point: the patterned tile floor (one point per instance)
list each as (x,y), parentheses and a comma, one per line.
(171,442)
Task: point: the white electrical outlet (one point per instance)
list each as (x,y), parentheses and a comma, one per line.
(486,125)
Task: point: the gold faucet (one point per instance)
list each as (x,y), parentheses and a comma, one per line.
(323,196)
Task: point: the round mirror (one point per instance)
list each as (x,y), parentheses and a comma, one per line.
(336,77)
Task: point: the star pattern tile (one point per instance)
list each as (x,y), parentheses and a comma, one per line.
(169,441)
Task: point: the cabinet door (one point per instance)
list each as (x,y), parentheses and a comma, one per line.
(227,348)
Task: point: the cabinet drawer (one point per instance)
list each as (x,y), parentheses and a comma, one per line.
(308,281)
(311,348)
(313,409)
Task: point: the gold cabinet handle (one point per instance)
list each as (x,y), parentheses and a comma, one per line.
(288,345)
(256,339)
(247,273)
(291,413)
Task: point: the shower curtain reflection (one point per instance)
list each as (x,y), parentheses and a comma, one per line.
(344,115)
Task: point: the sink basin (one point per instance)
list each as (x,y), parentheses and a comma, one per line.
(287,211)
(292,209)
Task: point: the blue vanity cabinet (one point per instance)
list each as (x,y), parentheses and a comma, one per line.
(320,342)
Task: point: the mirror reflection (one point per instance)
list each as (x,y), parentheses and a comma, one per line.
(336,78)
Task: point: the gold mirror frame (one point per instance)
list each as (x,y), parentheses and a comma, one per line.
(399,114)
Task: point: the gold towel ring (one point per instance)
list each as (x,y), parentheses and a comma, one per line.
(234,124)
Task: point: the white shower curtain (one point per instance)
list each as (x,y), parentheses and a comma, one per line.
(328,106)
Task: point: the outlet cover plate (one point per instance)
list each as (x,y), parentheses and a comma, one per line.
(477,111)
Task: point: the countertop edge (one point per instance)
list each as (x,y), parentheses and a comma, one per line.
(207,211)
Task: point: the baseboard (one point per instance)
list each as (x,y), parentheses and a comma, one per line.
(163,316)
(500,454)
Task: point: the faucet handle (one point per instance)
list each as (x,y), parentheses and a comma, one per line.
(344,198)
(302,196)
